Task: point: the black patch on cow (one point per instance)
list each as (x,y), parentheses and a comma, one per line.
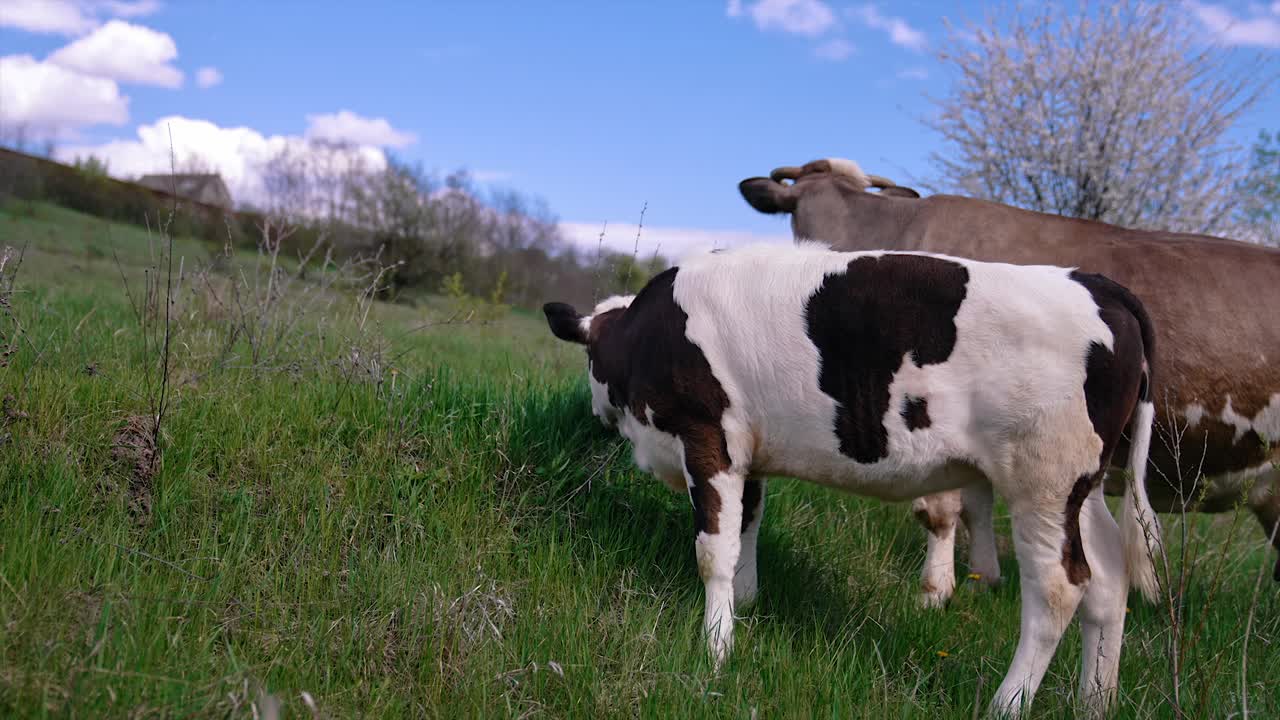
(1114,379)
(649,364)
(706,506)
(915,412)
(601,321)
(863,322)
(1073,558)
(751,494)
(1107,412)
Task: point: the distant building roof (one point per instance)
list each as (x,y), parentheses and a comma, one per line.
(202,187)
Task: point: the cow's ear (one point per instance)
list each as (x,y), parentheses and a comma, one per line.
(565,322)
(899,191)
(768,196)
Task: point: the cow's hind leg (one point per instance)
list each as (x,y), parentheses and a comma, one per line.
(1103,608)
(938,513)
(1051,591)
(746,576)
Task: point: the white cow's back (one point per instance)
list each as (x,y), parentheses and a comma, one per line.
(746,311)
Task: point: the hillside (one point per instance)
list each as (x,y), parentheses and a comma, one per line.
(378,510)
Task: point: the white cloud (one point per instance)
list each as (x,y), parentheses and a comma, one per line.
(900,33)
(835,50)
(239,154)
(916,73)
(125,52)
(670,242)
(799,17)
(347,126)
(69,17)
(207,77)
(46,16)
(51,101)
(1263,29)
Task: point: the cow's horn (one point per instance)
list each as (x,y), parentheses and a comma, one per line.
(787,172)
(880,181)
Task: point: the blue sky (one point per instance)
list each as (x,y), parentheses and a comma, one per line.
(599,107)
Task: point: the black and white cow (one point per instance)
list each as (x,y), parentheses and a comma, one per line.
(892,375)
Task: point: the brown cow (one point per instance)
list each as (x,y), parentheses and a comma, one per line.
(1214,303)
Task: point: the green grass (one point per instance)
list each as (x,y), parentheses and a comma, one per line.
(461,539)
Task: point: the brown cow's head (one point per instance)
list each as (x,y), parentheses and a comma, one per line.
(820,196)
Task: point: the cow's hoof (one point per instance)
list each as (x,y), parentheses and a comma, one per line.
(934,599)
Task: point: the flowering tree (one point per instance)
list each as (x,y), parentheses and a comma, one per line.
(1111,111)
(1260,192)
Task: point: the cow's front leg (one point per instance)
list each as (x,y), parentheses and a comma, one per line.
(717,519)
(746,578)
(976,514)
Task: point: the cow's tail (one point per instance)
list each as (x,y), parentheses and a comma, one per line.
(1138,522)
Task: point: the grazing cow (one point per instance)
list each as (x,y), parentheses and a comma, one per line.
(1214,304)
(892,375)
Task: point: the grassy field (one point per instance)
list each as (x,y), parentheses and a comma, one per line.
(355,516)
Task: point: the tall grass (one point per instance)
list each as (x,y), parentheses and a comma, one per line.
(459,537)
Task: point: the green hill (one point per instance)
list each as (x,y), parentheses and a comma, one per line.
(358,509)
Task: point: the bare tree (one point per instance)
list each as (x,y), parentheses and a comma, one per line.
(425,229)
(287,182)
(391,205)
(334,166)
(313,181)
(1107,111)
(457,223)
